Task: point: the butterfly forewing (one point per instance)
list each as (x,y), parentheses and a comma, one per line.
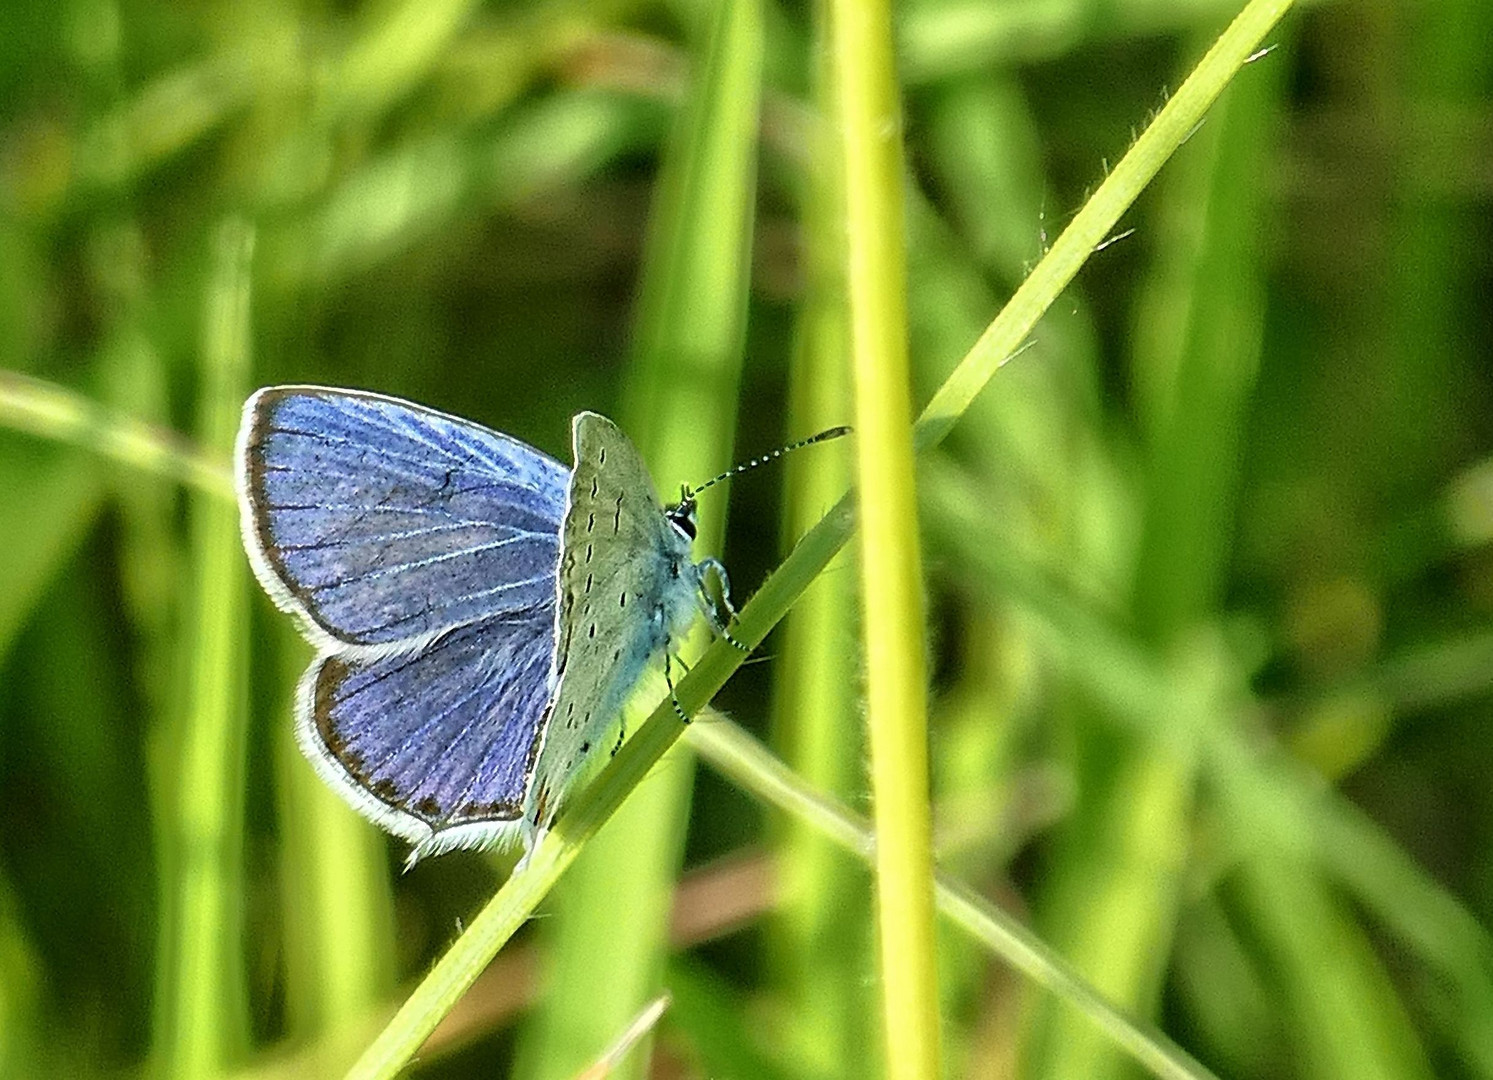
(626,585)
(381,523)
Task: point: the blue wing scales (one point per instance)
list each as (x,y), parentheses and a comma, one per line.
(438,741)
(380,523)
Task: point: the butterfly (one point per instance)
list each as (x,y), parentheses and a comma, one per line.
(480,613)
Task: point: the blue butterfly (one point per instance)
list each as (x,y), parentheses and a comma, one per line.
(480,613)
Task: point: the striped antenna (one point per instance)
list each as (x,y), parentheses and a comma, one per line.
(823,436)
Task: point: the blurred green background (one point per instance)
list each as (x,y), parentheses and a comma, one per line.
(1210,566)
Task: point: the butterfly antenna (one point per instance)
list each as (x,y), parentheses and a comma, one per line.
(823,436)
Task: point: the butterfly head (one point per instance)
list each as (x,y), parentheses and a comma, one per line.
(682,514)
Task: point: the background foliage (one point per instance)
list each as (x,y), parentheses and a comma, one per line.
(1209,566)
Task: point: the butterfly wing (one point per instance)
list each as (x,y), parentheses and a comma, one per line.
(627,587)
(438,745)
(380,523)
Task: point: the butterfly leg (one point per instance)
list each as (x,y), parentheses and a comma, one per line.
(669,678)
(722,626)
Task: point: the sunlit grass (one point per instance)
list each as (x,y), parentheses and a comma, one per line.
(867,114)
(607,943)
(1208,648)
(202,1014)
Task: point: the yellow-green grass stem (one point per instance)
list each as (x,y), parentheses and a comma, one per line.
(867,115)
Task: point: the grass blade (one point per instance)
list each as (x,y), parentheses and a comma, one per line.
(607,941)
(1094,223)
(820,933)
(55,412)
(201,1003)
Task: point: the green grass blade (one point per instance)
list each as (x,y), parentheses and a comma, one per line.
(1419,912)
(1342,1012)
(395,48)
(201,1003)
(46,509)
(20,991)
(133,379)
(820,943)
(339,906)
(607,941)
(1094,223)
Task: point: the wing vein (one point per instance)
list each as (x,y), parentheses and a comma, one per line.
(417,564)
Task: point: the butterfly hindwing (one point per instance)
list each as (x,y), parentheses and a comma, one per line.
(627,586)
(381,523)
(438,743)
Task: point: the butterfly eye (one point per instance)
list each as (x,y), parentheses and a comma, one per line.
(682,517)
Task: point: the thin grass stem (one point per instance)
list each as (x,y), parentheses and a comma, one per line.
(54,412)
(1092,225)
